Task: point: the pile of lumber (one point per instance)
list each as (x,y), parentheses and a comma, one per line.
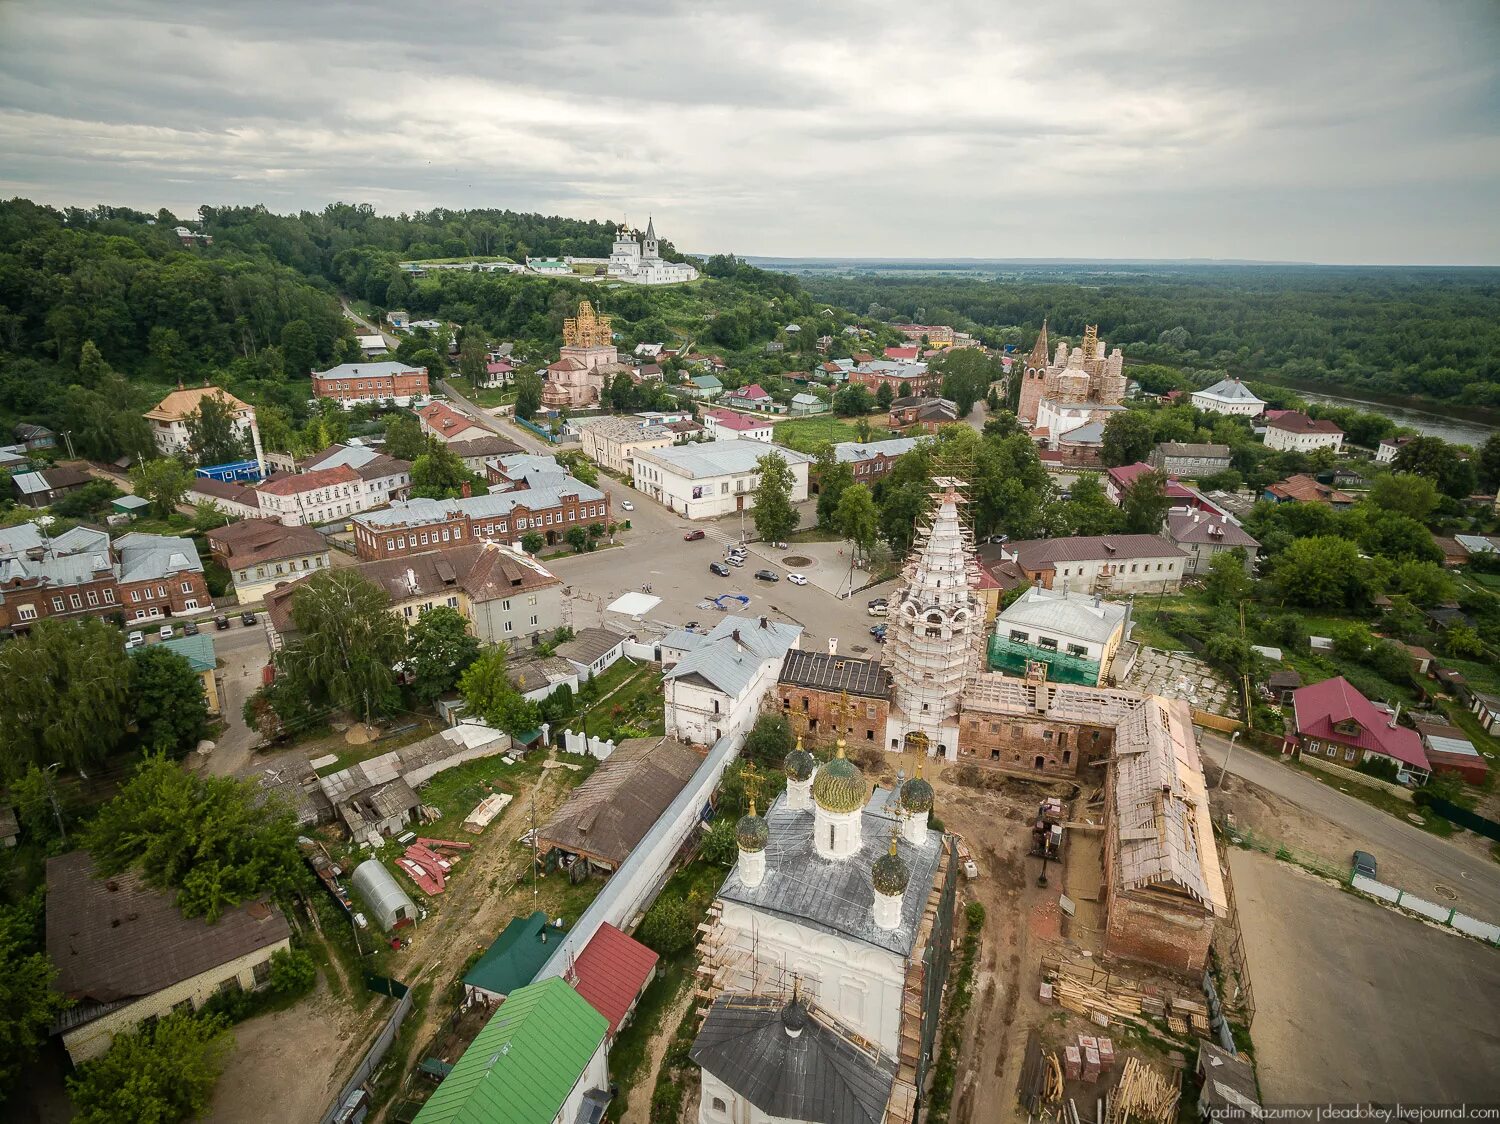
(1084,998)
(1144,1094)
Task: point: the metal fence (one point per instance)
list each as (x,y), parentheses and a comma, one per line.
(1432,911)
(373,1057)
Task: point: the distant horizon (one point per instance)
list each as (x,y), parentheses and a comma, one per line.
(862,258)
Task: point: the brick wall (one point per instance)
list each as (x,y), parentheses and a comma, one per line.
(1019,742)
(359,388)
(818,709)
(1143,925)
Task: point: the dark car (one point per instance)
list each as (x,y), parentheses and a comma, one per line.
(878,630)
(1364,863)
(693,536)
(719,568)
(767,576)
(190,628)
(247,617)
(221,622)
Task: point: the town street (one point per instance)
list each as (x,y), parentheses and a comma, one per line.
(1474,879)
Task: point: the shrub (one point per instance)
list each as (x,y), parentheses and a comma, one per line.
(668,926)
(292,972)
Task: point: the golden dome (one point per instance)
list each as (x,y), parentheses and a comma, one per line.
(890,873)
(839,785)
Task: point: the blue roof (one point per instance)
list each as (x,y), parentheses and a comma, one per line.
(197,650)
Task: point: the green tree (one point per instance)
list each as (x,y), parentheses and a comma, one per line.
(439,473)
(858,519)
(1487,465)
(1423,583)
(1440,462)
(1404,493)
(166,697)
(299,350)
(92,368)
(884,396)
(967,373)
(208,516)
(439,648)
(528,394)
(852,401)
(348,643)
(89,501)
(1324,572)
(473,359)
(669,926)
(64,695)
(215,840)
(1397,537)
(163,482)
(622,392)
(28,1000)
(168,352)
(775,517)
(532,542)
(720,846)
(1128,438)
(1462,642)
(159,1074)
(768,742)
(578,539)
(490,695)
(404,438)
(1145,504)
(1088,510)
(212,436)
(1226,582)
(833,478)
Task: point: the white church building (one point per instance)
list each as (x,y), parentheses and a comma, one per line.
(836,917)
(636,259)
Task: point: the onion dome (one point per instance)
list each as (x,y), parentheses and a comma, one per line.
(799,764)
(916,794)
(752,833)
(890,873)
(840,786)
(794,1016)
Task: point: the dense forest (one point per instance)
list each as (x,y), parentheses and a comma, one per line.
(1432,333)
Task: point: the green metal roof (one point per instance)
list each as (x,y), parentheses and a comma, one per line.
(197,650)
(516,955)
(706,382)
(1012,657)
(524,1063)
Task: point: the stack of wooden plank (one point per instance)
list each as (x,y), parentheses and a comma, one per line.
(1084,998)
(1144,1094)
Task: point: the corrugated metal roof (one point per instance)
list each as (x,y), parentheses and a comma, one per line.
(1079,616)
(611,973)
(717,458)
(515,956)
(867,678)
(1321,707)
(522,1066)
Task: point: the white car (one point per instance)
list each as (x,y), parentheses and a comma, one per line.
(627,505)
(797,579)
(166,632)
(134,640)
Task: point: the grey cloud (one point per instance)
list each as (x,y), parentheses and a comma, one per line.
(1350,131)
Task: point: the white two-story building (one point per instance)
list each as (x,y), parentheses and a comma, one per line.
(715,478)
(716,687)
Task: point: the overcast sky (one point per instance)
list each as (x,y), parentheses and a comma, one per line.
(1313,130)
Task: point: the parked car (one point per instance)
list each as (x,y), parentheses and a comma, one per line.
(767,576)
(221,622)
(134,640)
(880,610)
(247,617)
(877,630)
(166,632)
(735,560)
(627,505)
(737,551)
(797,579)
(693,536)
(1364,863)
(719,568)
(190,629)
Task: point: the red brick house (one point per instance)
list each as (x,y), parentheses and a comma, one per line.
(349,384)
(1336,724)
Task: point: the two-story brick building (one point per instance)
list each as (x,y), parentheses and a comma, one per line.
(827,696)
(81,573)
(261,554)
(904,377)
(873,459)
(549,507)
(350,384)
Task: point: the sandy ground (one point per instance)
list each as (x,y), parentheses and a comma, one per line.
(638,1107)
(1359,1002)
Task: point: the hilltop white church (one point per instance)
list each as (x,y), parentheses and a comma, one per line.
(637,260)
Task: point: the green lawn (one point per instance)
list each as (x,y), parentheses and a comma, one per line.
(482,397)
(808,435)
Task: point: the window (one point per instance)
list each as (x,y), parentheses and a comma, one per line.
(1349,755)
(135,595)
(533,620)
(1047,643)
(1077,650)
(531,600)
(161,591)
(1019,637)
(510,626)
(75,601)
(719,1105)
(261,972)
(27,612)
(93,596)
(57,604)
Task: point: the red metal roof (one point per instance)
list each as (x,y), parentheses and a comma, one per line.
(309,481)
(901,352)
(731,420)
(1322,706)
(611,972)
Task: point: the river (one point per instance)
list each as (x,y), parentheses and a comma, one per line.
(1460,431)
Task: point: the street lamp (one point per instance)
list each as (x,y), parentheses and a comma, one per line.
(1234,737)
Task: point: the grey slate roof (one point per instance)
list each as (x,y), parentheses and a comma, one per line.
(365,370)
(545,493)
(717,458)
(1068,615)
(819,1076)
(838,897)
(852,452)
(148,557)
(1197,527)
(1230,390)
(730,664)
(588,644)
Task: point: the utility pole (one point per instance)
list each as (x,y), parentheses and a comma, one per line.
(51,771)
(1234,737)
(68,438)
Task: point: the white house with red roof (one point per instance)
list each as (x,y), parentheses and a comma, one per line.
(611,973)
(319,496)
(1338,725)
(753,397)
(904,354)
(448,425)
(727,425)
(1294,431)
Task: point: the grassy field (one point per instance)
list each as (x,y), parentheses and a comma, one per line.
(808,435)
(483,397)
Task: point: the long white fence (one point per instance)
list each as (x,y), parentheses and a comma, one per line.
(1432,911)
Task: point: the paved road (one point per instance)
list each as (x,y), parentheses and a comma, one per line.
(1360,1003)
(1475,878)
(390,341)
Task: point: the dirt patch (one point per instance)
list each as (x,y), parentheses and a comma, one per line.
(796,561)
(318,1041)
(638,1109)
